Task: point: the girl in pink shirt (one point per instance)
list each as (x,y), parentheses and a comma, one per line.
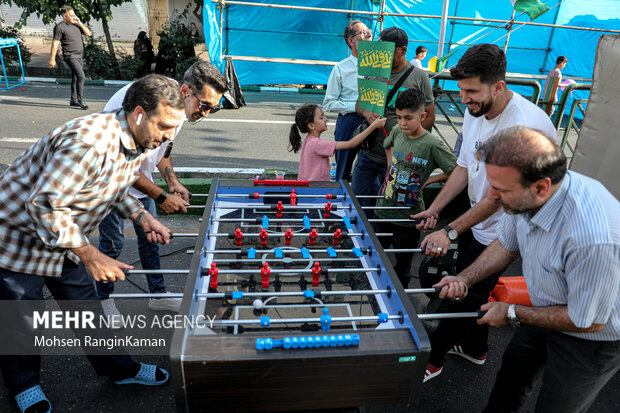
(315,152)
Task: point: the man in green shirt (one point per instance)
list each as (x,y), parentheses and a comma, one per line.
(412,154)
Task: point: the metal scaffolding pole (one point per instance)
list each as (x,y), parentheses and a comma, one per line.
(442,28)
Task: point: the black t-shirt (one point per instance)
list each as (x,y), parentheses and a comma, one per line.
(70,37)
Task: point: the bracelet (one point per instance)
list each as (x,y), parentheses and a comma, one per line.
(140,217)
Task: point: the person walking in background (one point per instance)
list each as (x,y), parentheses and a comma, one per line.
(560,64)
(143,50)
(420,54)
(68,33)
(341,95)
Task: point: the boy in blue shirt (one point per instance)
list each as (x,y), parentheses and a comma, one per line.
(413,154)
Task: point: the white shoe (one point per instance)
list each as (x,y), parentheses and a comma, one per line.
(165,304)
(114,316)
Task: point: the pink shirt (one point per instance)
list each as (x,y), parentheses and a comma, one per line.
(314,160)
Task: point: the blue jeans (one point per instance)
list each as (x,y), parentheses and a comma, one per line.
(368,176)
(112,240)
(20,372)
(345,125)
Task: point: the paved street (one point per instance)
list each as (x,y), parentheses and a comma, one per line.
(252,137)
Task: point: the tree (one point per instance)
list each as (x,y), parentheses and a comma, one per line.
(49,10)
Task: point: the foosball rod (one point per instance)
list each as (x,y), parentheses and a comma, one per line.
(297,207)
(345,234)
(292,271)
(266,321)
(337,220)
(271,251)
(284,195)
(283,260)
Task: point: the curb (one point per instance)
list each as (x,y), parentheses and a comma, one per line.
(97,82)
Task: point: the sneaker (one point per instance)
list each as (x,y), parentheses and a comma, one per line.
(114,316)
(431,372)
(458,351)
(165,304)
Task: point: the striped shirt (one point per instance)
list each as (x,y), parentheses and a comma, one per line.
(57,191)
(571,254)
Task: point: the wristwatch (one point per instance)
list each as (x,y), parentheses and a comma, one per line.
(512,317)
(161,198)
(452,234)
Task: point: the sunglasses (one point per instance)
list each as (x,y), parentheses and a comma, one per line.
(205,106)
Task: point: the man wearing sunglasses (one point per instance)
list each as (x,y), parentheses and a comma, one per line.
(341,95)
(202,88)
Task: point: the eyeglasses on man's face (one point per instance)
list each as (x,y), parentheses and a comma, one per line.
(365,33)
(205,107)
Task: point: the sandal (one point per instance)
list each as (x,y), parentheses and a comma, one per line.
(30,397)
(146,376)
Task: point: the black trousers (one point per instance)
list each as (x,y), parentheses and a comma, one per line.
(573,371)
(473,337)
(404,237)
(20,372)
(76,66)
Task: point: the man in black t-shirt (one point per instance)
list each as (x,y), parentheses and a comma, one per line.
(68,33)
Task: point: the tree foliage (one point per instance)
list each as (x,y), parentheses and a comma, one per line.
(10,53)
(49,10)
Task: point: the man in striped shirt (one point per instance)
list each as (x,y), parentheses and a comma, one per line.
(54,195)
(566,227)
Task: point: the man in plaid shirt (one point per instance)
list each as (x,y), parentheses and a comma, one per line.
(54,195)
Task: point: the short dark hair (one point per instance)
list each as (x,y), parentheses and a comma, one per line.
(349,31)
(204,73)
(561,59)
(420,49)
(530,151)
(151,90)
(485,60)
(65,9)
(412,99)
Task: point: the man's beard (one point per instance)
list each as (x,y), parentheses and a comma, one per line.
(484,108)
(525,205)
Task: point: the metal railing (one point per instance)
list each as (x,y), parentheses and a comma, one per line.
(559,114)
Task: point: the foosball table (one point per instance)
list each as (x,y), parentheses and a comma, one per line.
(302,308)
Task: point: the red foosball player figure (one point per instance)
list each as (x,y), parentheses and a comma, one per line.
(316,272)
(213,272)
(328,209)
(263,237)
(293,197)
(288,236)
(279,209)
(313,236)
(238,237)
(264,272)
(337,236)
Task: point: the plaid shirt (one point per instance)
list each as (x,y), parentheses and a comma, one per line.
(59,190)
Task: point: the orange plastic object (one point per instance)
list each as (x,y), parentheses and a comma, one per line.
(511,290)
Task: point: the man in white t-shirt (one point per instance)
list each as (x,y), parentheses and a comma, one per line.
(202,87)
(491,107)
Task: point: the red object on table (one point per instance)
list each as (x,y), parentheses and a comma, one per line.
(328,209)
(288,236)
(213,272)
(313,236)
(293,197)
(316,272)
(264,272)
(238,237)
(279,209)
(263,237)
(337,236)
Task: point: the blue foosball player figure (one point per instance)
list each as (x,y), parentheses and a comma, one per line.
(326,319)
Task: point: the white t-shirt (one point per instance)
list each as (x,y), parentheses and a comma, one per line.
(477,131)
(416,63)
(155,155)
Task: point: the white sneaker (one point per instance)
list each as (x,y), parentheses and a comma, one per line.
(114,316)
(165,304)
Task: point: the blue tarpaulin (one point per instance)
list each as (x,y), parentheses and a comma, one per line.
(301,34)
